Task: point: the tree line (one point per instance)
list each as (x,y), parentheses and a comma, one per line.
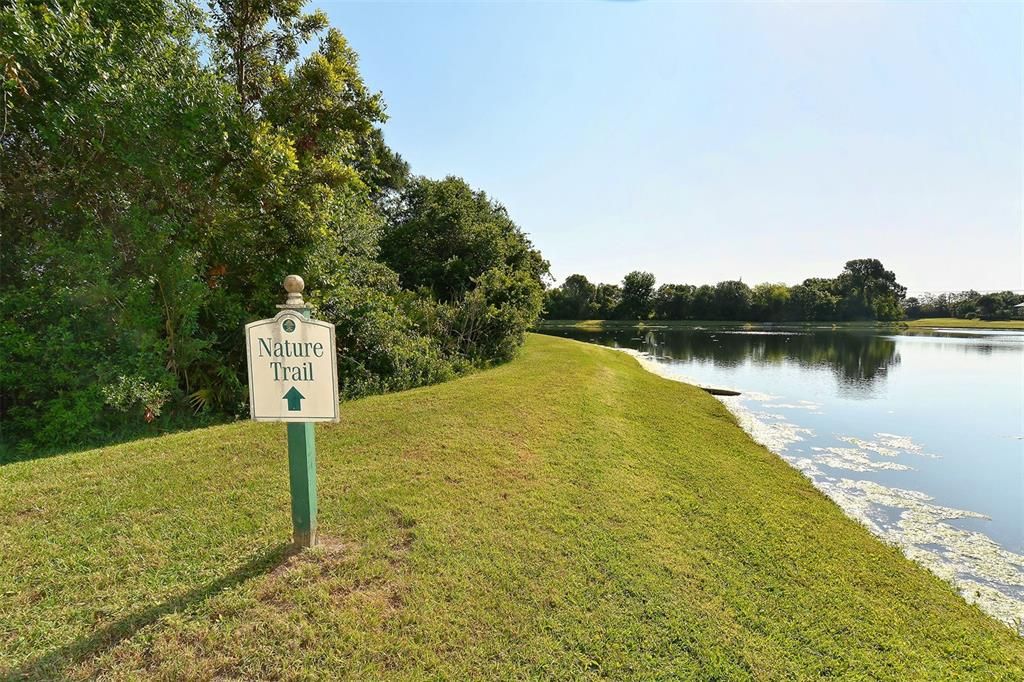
(968,305)
(164,164)
(864,290)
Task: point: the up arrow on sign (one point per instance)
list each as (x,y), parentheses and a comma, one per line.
(294,399)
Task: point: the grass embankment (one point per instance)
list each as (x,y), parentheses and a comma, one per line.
(953,322)
(928,323)
(562,516)
(598,325)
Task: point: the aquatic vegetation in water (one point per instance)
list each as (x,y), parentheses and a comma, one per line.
(904,443)
(799,405)
(854,459)
(888,445)
(760,397)
(774,435)
(985,573)
(877,448)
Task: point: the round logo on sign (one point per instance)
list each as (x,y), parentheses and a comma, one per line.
(289,325)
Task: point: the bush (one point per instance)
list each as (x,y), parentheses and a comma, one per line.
(379,348)
(489,323)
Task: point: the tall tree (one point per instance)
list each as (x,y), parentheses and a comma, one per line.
(869,291)
(578,297)
(446,235)
(637,296)
(769,302)
(606,301)
(674,301)
(255,39)
(732,300)
(460,249)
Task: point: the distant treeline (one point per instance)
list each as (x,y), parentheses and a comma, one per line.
(864,290)
(963,304)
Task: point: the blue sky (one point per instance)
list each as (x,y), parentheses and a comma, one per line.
(704,142)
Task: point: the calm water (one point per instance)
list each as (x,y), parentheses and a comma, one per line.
(920,436)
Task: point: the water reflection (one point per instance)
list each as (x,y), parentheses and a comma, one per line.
(859,362)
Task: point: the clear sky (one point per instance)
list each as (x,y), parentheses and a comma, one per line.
(704,142)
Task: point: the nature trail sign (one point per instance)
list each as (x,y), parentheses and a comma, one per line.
(293,377)
(293,368)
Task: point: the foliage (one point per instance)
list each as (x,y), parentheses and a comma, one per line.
(380,349)
(996,305)
(458,247)
(490,321)
(769,302)
(576,299)
(161,169)
(732,301)
(606,300)
(673,301)
(813,300)
(637,302)
(868,291)
(444,235)
(865,290)
(129,392)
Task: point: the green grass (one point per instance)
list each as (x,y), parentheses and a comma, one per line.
(630,324)
(566,515)
(965,324)
(597,325)
(933,322)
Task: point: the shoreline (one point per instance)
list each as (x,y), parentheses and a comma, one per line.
(924,324)
(971,551)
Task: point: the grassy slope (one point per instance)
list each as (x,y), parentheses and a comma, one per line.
(966,324)
(934,322)
(564,515)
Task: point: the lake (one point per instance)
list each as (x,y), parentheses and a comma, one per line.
(919,435)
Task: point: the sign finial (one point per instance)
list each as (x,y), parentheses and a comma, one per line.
(294,285)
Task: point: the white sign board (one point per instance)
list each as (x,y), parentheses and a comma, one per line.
(293,369)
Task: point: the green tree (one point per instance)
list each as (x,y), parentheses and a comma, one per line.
(161,169)
(574,300)
(108,111)
(445,235)
(987,306)
(869,291)
(674,301)
(963,303)
(812,301)
(464,251)
(912,308)
(732,300)
(769,302)
(637,296)
(704,303)
(606,301)
(254,40)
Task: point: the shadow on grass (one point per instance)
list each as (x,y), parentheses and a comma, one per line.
(11,452)
(52,665)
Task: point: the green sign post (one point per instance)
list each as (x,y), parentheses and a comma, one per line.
(302,480)
(293,377)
